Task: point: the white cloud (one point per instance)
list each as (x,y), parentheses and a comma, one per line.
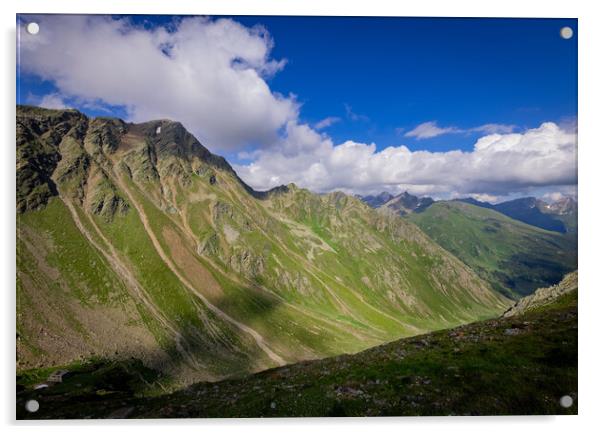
(209,75)
(493,129)
(428,130)
(484,197)
(555,196)
(497,165)
(326,122)
(49,101)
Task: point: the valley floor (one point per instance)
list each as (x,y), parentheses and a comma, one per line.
(520,365)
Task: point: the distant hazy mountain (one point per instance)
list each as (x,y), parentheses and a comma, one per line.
(564,206)
(559,216)
(402,204)
(529,210)
(406,203)
(565,210)
(516,258)
(133,240)
(473,201)
(378,200)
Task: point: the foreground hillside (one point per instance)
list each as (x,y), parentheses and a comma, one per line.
(521,364)
(514,257)
(134,241)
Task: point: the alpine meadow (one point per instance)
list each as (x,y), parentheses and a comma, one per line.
(309,271)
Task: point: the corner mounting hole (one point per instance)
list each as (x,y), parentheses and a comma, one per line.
(33,28)
(566,33)
(566,401)
(32,406)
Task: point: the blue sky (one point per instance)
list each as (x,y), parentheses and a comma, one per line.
(399,72)
(376,79)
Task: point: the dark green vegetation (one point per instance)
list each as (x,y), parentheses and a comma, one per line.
(522,364)
(100,377)
(514,257)
(134,241)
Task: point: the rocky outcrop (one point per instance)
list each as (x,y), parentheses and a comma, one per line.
(39,136)
(103,198)
(544,296)
(247,263)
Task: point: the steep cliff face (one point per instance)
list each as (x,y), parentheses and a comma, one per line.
(135,241)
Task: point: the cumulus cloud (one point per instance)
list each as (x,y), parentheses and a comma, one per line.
(498,164)
(428,130)
(211,76)
(208,74)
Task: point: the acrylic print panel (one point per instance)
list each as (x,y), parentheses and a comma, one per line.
(259,216)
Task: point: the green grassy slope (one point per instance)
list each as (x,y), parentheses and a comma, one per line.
(514,257)
(521,365)
(135,241)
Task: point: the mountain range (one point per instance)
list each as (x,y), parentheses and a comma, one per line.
(559,216)
(135,241)
(517,246)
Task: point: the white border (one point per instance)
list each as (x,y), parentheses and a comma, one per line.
(465,8)
(590,211)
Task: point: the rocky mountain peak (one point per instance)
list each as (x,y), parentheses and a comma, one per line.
(564,206)
(375,201)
